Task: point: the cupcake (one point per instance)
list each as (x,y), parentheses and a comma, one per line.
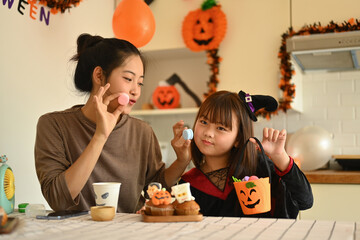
(187,208)
(153,187)
(160,204)
(185,203)
(148,206)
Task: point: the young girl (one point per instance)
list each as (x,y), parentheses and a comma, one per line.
(99,141)
(222,128)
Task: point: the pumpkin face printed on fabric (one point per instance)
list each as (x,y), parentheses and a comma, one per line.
(251,197)
(254,196)
(204,29)
(165,97)
(161,197)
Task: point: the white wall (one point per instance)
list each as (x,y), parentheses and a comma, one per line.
(36,77)
(332,101)
(250,62)
(249,49)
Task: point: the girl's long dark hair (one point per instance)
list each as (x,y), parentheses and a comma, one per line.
(219,107)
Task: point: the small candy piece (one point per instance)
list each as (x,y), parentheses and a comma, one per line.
(3,216)
(188,134)
(123,99)
(246,178)
(253,178)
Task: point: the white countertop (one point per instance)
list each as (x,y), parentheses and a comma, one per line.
(131,226)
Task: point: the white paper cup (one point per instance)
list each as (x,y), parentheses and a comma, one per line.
(107,193)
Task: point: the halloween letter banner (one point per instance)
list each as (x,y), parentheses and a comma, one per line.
(29,8)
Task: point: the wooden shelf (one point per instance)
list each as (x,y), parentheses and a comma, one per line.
(163,111)
(333,177)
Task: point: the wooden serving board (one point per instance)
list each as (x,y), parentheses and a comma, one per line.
(173,218)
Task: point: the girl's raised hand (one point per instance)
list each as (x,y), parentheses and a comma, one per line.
(105,120)
(179,144)
(273,143)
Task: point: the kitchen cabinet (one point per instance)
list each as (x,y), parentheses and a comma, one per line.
(338,202)
(336,195)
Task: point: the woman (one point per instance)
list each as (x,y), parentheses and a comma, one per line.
(98,141)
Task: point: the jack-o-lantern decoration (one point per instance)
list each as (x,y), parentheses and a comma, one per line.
(254,196)
(166,97)
(204,28)
(161,197)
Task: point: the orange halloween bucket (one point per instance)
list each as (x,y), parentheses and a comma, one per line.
(254,195)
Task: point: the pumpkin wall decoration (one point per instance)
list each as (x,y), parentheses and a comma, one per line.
(166,96)
(254,196)
(161,197)
(204,29)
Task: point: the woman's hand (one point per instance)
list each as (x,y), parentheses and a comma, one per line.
(105,120)
(179,144)
(273,143)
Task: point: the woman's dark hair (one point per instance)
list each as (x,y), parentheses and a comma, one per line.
(219,107)
(93,51)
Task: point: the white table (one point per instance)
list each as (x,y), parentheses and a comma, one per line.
(131,226)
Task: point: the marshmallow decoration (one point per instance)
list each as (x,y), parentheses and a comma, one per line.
(123,99)
(188,134)
(153,188)
(182,192)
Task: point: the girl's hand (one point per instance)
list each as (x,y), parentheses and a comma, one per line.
(273,143)
(105,121)
(179,144)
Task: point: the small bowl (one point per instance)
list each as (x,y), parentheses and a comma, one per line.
(102,213)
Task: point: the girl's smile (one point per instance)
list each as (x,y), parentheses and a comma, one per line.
(207,142)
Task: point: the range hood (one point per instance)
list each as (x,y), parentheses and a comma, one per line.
(326,51)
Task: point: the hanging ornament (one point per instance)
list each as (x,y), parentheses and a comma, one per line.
(61,6)
(204,29)
(134,22)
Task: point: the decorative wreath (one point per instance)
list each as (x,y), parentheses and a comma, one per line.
(286,69)
(204,29)
(59,5)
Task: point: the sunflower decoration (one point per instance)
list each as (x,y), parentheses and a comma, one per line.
(204,29)
(286,68)
(59,5)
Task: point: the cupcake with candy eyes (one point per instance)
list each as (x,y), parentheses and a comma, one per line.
(184,203)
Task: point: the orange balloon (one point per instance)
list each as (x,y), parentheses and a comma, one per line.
(134,22)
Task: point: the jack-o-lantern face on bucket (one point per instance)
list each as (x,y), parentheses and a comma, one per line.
(161,197)
(250,197)
(204,29)
(254,196)
(166,97)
